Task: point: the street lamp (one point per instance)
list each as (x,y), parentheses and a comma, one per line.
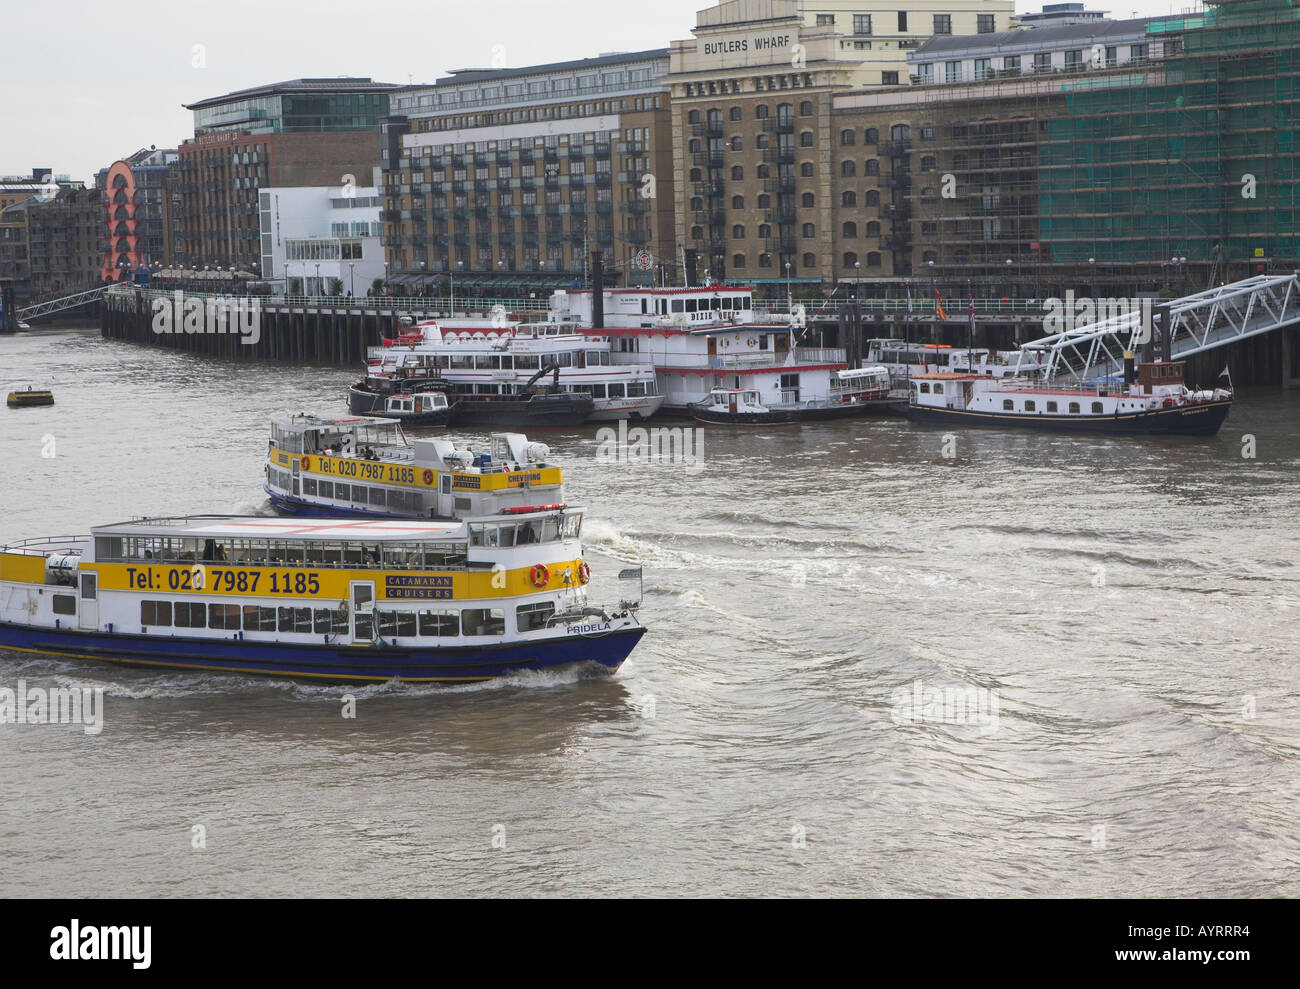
(857,280)
(451,274)
(319,291)
(789,288)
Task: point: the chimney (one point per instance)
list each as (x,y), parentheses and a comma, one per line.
(597,290)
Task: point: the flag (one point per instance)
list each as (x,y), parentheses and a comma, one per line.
(909,298)
(938,305)
(632,574)
(972,315)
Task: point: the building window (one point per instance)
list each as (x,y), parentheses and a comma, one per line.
(737,202)
(1074,58)
(806,170)
(736,113)
(984,23)
(765,260)
(873,228)
(1112,56)
(850,259)
(762,142)
(902,20)
(1136,52)
(1011,65)
(764,172)
(983,68)
(737,173)
(861,23)
(872,198)
(761,111)
(697,233)
(737,143)
(806,139)
(848,138)
(738,232)
(693,117)
(738,261)
(850,230)
(928,163)
(952,71)
(873,259)
(764,231)
(929,228)
(943,24)
(871,166)
(825,20)
(764,201)
(889,78)
(809,231)
(871,136)
(927,132)
(1043,62)
(805,109)
(848,168)
(808,200)
(849,198)
(925,73)
(809,263)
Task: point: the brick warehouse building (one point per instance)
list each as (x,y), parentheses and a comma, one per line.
(506,180)
(307,132)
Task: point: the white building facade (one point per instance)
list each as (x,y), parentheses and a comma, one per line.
(322,240)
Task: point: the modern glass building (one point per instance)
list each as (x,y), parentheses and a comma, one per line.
(297,106)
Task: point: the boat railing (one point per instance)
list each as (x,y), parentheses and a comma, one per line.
(42,546)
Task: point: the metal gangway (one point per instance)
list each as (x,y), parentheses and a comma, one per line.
(1214,318)
(49,306)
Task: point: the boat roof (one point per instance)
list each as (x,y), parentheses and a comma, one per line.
(256,527)
(303,421)
(949,376)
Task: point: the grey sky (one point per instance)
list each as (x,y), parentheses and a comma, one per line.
(86,83)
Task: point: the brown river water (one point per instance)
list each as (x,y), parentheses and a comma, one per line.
(1127,611)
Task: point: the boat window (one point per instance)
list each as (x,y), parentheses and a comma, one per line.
(291,619)
(1096,408)
(507,535)
(331,554)
(938,388)
(616,390)
(572,527)
(109,548)
(1031,406)
(679,305)
(359,494)
(531,617)
(154,613)
(379,497)
(327,489)
(597,391)
(484,621)
(442,624)
(635,389)
(925,387)
(224,616)
(1074,408)
(258,619)
(309,486)
(326,622)
(65,604)
(1051,406)
(191,615)
(526,362)
(1008,405)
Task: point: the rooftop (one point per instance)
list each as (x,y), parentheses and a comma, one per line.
(339,84)
(214,526)
(459,76)
(1039,38)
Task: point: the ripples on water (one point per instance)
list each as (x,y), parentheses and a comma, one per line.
(1128,601)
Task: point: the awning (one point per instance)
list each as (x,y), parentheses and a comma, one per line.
(784,281)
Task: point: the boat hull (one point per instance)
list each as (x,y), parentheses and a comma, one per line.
(339,664)
(538,411)
(1187,420)
(785,417)
(29,399)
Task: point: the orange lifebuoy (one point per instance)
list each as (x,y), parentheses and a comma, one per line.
(305,464)
(584,574)
(540,575)
(428,477)
(752,341)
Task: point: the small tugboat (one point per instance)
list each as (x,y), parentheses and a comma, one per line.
(364,467)
(362,601)
(1152,401)
(424,408)
(30,399)
(854,395)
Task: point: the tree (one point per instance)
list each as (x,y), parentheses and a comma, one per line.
(336,286)
(295,286)
(377,287)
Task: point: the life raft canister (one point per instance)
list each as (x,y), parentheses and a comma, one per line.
(584,573)
(428,477)
(540,575)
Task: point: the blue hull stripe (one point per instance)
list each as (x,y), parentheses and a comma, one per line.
(287,505)
(324,662)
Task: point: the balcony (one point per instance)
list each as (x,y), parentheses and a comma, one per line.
(710,189)
(781,156)
(602,150)
(902,180)
(897,242)
(895,149)
(710,130)
(782,185)
(631,147)
(781,214)
(631,178)
(708,159)
(778,125)
(635,207)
